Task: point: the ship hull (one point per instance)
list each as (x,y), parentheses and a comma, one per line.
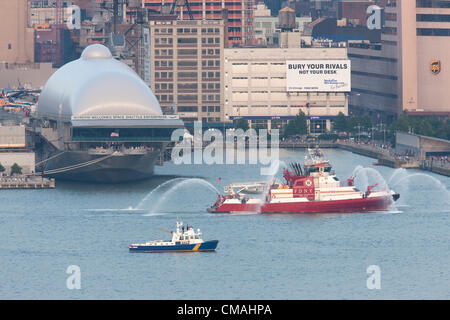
(199,247)
(311,207)
(114,169)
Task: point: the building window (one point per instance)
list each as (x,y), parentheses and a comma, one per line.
(187,63)
(9,46)
(187,109)
(187,52)
(187,40)
(187,74)
(186,97)
(187,86)
(318,126)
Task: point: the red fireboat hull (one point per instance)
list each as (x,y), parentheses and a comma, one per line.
(312,207)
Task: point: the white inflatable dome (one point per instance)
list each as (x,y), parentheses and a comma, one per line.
(96,84)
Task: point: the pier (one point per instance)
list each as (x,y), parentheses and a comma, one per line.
(25,182)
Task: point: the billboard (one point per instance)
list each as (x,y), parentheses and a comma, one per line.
(318,76)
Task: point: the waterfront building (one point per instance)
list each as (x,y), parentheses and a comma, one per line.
(186,67)
(255,83)
(13,149)
(406,71)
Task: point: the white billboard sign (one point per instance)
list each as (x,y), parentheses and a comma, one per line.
(318,76)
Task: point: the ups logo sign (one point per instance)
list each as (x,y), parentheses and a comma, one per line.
(435,66)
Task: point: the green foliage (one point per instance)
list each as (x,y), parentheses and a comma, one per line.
(352,124)
(365,122)
(16,169)
(241,124)
(328,136)
(298,125)
(427,126)
(340,123)
(2,168)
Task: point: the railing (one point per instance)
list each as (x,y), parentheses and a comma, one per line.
(120,139)
(101,151)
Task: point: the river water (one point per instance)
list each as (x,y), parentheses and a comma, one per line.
(43,232)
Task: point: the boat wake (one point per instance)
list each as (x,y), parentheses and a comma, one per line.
(392,211)
(154,214)
(129,209)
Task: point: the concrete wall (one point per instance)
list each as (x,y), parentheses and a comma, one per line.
(433,89)
(12,137)
(24,159)
(408,58)
(32,76)
(16,39)
(420,144)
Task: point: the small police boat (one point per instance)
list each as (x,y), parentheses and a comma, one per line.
(182,241)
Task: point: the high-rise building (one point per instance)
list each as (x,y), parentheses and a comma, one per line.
(185,69)
(16,38)
(407,71)
(239,21)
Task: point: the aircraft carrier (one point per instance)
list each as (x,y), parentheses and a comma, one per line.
(96,120)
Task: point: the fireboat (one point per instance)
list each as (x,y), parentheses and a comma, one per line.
(313,189)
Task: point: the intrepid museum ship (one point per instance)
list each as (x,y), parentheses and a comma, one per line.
(96,120)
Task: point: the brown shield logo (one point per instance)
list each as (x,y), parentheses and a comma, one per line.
(435,66)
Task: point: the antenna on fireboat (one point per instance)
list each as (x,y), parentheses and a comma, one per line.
(297,168)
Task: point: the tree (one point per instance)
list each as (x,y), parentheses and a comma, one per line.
(16,169)
(401,124)
(365,122)
(340,123)
(241,124)
(352,124)
(2,168)
(298,125)
(425,128)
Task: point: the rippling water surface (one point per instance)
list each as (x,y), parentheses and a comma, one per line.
(42,232)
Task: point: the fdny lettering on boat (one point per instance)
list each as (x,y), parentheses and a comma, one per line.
(226,309)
